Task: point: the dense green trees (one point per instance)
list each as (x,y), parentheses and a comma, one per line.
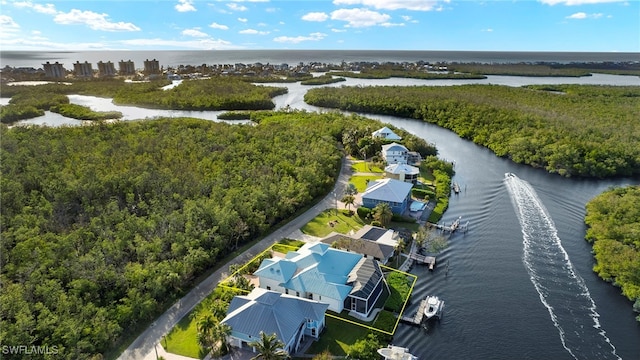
(572,130)
(402,73)
(323,79)
(102,226)
(10,113)
(217,93)
(613,218)
(84,113)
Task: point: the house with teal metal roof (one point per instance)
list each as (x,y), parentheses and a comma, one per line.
(319,272)
(289,317)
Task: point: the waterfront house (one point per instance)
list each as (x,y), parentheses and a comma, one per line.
(386,134)
(341,279)
(394,192)
(289,317)
(395,153)
(372,249)
(402,172)
(413,158)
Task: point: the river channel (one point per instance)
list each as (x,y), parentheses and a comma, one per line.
(518,284)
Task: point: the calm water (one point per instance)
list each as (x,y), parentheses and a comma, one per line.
(174,58)
(519,284)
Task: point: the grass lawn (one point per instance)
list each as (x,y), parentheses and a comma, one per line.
(426,176)
(366,167)
(181,339)
(319,226)
(360,181)
(337,337)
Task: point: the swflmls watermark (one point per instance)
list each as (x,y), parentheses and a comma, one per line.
(29,350)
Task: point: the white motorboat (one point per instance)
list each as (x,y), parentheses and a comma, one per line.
(434,307)
(396,353)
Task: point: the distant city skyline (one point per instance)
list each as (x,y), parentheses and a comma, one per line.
(528,25)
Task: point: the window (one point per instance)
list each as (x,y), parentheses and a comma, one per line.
(310,296)
(286,291)
(298,293)
(268,287)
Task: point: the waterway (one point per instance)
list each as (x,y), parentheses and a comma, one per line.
(519,283)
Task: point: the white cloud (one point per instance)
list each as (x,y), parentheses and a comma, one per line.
(487,30)
(338,30)
(218,26)
(236,7)
(298,39)
(9,30)
(7,23)
(315,16)
(185,6)
(582,15)
(252,32)
(194,33)
(202,44)
(93,20)
(388,24)
(577,2)
(417,5)
(41,8)
(360,17)
(244,20)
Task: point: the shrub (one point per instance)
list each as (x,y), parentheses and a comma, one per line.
(423,193)
(399,286)
(364,212)
(400,218)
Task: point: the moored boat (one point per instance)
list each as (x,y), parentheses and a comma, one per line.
(434,307)
(396,353)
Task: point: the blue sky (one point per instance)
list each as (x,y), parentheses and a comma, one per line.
(527,25)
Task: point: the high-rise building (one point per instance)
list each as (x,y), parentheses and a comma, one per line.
(82,69)
(151,67)
(106,69)
(55,71)
(127,67)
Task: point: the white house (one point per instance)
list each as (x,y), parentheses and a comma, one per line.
(395,153)
(289,317)
(402,172)
(385,133)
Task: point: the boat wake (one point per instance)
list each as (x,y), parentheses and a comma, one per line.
(562,291)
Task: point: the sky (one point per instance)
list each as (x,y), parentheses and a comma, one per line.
(466,25)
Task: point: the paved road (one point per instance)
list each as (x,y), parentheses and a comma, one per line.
(143,347)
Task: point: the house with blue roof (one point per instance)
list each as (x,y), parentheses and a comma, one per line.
(341,279)
(289,317)
(394,192)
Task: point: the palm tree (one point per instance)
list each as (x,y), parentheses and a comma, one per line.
(382,213)
(348,200)
(399,248)
(269,348)
(205,326)
(212,334)
(220,334)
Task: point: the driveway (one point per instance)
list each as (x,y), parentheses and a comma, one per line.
(143,347)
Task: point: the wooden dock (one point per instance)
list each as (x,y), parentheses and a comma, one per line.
(451,228)
(419,315)
(422,259)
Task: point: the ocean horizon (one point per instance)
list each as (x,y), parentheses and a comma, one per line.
(173,58)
